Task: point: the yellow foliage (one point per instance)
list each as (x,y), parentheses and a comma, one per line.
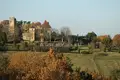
(37,67)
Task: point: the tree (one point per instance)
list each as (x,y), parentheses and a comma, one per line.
(19,25)
(90,36)
(3,37)
(26,27)
(116,41)
(107,41)
(54,34)
(65,32)
(46,34)
(3,41)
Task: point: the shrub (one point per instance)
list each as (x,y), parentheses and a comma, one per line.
(73,48)
(3,48)
(116,74)
(85,52)
(12,47)
(4,62)
(37,67)
(90,47)
(103,54)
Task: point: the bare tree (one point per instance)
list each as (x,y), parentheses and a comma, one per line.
(65,32)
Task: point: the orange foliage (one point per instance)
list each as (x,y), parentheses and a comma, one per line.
(102,37)
(37,67)
(51,53)
(116,40)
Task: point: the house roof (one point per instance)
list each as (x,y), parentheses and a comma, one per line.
(36,24)
(5,22)
(46,24)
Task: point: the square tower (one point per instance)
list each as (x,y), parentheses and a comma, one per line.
(13,29)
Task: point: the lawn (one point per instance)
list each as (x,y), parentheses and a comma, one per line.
(96,62)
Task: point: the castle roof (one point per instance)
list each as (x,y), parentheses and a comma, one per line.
(46,24)
(5,22)
(36,24)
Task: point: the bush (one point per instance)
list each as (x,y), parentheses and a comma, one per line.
(85,52)
(103,54)
(90,47)
(73,48)
(4,62)
(116,74)
(37,67)
(12,47)
(3,48)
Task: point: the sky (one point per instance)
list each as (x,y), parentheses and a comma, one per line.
(81,16)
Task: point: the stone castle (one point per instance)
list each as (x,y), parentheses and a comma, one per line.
(35,30)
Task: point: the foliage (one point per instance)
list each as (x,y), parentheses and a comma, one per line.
(4,62)
(102,37)
(73,47)
(3,38)
(3,41)
(85,52)
(116,41)
(116,74)
(90,36)
(47,35)
(54,34)
(107,41)
(37,67)
(90,48)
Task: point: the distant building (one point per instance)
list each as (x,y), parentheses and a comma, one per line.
(5,24)
(29,36)
(26,31)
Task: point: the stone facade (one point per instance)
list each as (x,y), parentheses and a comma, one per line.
(29,36)
(13,30)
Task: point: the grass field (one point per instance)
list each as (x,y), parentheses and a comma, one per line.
(93,62)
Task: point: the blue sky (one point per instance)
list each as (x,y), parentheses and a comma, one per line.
(82,16)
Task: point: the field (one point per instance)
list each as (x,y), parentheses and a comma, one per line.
(96,62)
(93,62)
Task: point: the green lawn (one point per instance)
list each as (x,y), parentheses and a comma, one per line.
(95,62)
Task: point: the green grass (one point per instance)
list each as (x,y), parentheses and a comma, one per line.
(102,64)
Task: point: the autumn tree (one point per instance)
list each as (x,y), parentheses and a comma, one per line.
(107,41)
(116,41)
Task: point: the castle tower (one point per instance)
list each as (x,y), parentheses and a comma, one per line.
(13,29)
(12,24)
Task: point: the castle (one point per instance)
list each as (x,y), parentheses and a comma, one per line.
(27,32)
